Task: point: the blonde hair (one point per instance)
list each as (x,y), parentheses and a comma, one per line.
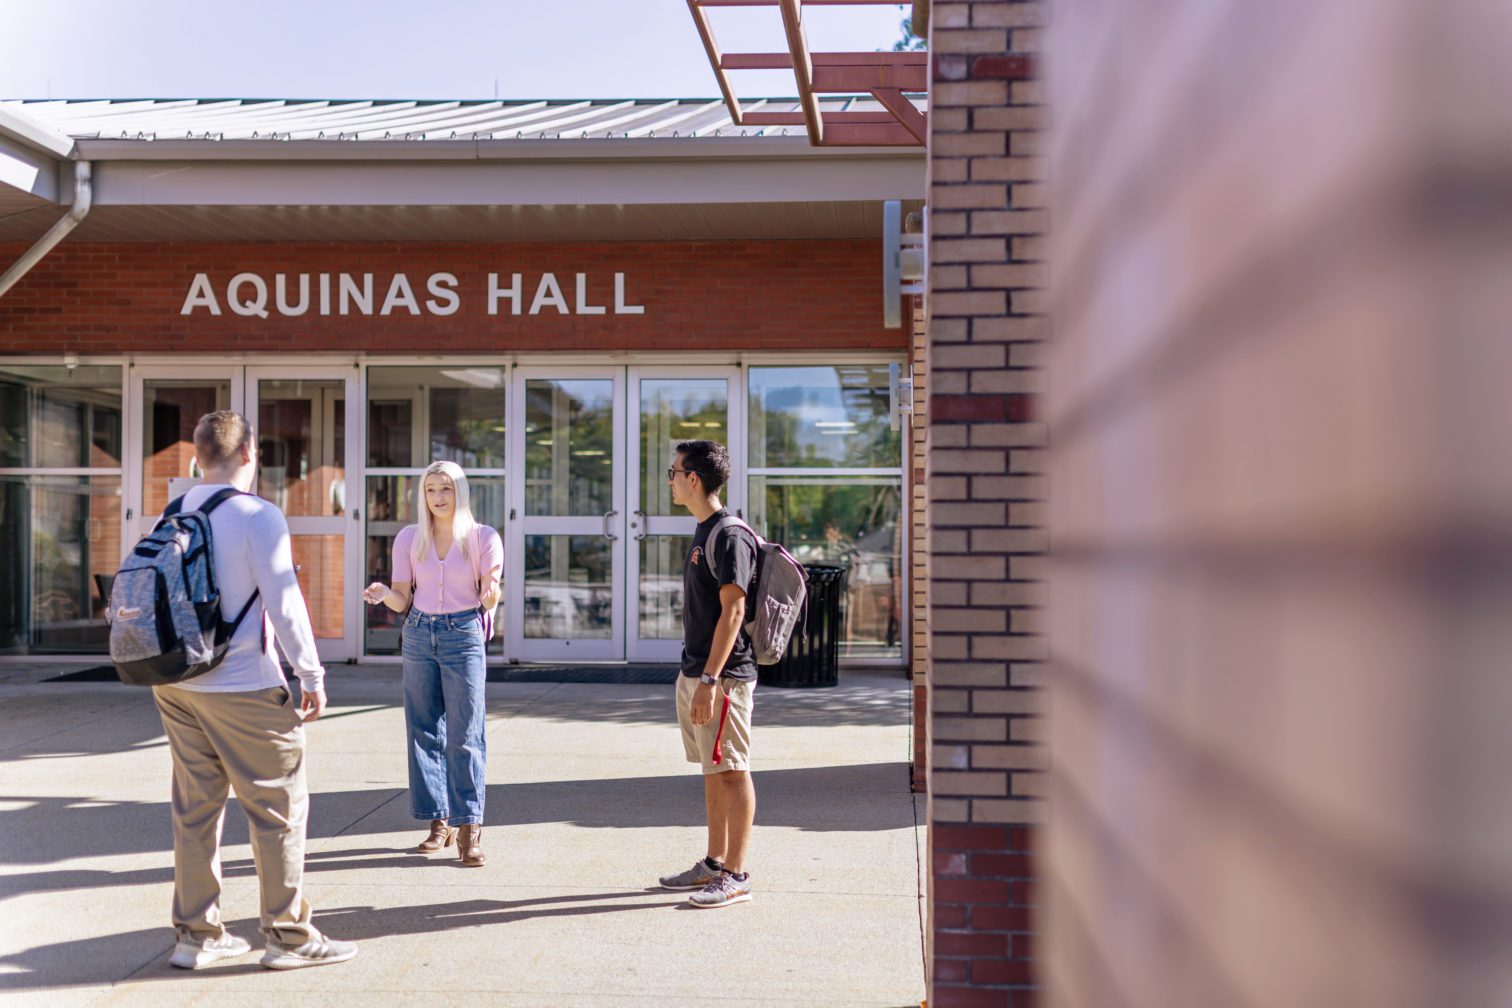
(462,516)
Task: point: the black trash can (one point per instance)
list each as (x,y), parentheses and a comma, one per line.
(814,659)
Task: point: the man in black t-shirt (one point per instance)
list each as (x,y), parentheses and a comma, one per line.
(718,681)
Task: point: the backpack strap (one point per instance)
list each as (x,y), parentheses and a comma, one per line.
(212,502)
(735,521)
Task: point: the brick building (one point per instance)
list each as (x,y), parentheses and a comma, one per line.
(552,294)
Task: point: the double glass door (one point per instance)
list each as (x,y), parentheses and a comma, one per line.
(299,416)
(596,547)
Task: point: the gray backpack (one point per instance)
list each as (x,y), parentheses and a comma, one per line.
(777,602)
(165,612)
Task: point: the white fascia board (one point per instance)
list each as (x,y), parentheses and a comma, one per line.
(23,168)
(522,181)
(30,156)
(469,149)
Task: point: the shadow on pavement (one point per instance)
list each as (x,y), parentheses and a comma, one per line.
(94,961)
(820,799)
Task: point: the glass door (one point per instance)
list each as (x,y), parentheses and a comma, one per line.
(165,404)
(564,554)
(670,405)
(305,455)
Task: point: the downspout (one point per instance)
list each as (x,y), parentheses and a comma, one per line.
(83,199)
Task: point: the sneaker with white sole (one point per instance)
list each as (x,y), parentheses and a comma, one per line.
(696,877)
(722,891)
(189,954)
(315,952)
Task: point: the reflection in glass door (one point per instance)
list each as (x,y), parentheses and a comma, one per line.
(160,432)
(300,416)
(565,552)
(671,406)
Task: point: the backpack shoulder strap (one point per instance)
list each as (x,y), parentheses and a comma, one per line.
(216,499)
(727,522)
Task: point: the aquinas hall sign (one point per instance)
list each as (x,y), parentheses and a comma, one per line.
(262,295)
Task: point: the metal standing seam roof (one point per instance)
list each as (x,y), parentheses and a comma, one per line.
(375,121)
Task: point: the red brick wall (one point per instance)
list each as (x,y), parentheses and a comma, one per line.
(742,295)
(987,222)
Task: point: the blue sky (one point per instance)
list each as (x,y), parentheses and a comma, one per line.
(395,49)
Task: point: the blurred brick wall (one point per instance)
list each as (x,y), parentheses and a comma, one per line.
(986,224)
(1281,505)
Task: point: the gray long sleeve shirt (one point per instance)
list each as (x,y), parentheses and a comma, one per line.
(250,538)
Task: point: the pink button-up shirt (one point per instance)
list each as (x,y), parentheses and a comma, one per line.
(446,585)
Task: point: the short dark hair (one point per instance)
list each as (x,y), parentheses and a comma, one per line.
(709,460)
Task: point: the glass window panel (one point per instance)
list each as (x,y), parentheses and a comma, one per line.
(822,417)
(321,560)
(661,589)
(301,465)
(569,442)
(170,410)
(853,523)
(61,536)
(673,410)
(459,410)
(568,592)
(53,417)
(391,506)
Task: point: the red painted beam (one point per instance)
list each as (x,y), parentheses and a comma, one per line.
(784,61)
(864,79)
(830,118)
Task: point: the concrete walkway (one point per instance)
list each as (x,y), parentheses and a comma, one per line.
(589,801)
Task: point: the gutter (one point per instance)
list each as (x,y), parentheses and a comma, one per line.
(82,201)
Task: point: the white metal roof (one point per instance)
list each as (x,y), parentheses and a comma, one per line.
(364,121)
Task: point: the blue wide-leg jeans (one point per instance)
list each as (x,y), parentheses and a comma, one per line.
(444,674)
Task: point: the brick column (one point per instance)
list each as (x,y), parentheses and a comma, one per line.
(918,585)
(985,652)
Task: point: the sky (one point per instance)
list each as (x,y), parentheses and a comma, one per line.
(443,49)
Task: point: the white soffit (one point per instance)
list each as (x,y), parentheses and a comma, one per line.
(30,153)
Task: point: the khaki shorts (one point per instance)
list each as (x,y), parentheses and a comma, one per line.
(734,738)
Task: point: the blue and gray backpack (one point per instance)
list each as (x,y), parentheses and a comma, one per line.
(165,610)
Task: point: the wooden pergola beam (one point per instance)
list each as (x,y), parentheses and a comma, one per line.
(711,48)
(886,76)
(803,68)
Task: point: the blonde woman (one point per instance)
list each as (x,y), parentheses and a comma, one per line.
(446,573)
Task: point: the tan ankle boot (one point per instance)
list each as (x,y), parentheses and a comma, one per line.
(441,835)
(470,845)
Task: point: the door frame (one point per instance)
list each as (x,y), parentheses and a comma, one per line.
(134,469)
(348,524)
(648,649)
(517,647)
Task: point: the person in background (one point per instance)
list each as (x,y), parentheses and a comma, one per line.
(446,574)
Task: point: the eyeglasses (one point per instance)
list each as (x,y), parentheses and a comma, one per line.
(673,470)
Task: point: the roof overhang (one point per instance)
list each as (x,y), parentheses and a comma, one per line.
(30,155)
(477,188)
(490,173)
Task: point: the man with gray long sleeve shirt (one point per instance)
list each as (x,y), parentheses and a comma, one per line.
(236,727)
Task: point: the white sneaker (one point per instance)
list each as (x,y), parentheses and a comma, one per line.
(193,954)
(315,952)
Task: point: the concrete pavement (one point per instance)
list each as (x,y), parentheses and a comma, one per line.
(589,800)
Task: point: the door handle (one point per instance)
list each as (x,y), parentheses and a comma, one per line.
(640,520)
(609,517)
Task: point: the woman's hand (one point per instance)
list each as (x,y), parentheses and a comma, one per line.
(375,593)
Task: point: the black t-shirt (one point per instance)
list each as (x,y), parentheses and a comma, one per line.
(727,558)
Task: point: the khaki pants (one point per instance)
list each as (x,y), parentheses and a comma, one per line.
(253,743)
